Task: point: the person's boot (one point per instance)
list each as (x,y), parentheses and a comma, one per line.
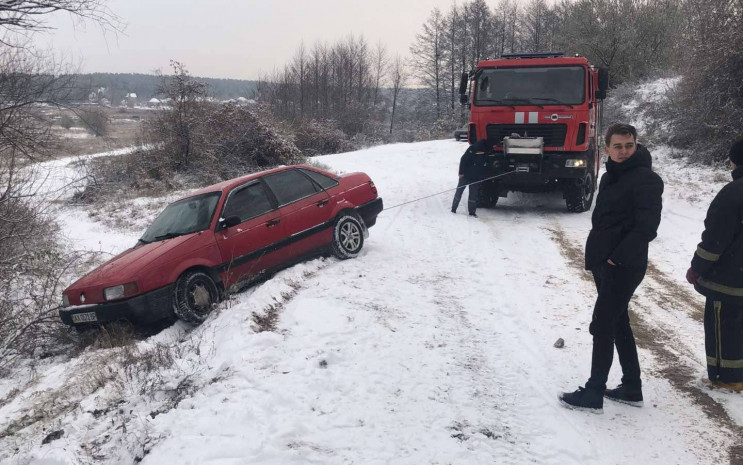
(625,395)
(587,400)
(715,384)
(473,214)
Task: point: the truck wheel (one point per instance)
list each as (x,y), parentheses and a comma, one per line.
(194,296)
(579,197)
(348,236)
(487,197)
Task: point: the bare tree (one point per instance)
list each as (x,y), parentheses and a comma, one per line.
(398,77)
(427,55)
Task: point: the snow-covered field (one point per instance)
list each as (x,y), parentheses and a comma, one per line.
(435,346)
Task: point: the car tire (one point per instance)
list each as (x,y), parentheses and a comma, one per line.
(348,236)
(579,198)
(194,296)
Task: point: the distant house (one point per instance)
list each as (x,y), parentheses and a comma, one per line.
(130,99)
(154,103)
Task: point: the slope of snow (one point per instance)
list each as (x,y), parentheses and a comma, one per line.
(434,346)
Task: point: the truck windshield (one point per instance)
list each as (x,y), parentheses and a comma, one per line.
(182,217)
(563,85)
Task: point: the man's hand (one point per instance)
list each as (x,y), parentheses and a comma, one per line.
(608,260)
(692,276)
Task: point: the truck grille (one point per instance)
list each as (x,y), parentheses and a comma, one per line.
(553,134)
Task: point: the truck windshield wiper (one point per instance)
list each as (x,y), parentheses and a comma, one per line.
(550,99)
(492,100)
(140,240)
(522,100)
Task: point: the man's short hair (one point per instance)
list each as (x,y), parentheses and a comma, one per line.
(621,129)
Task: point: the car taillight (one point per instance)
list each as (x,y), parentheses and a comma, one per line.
(373,187)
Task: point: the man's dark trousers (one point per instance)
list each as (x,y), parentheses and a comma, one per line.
(723,326)
(471,198)
(610,325)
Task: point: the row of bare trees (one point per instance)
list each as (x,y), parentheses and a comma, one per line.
(633,38)
(341,82)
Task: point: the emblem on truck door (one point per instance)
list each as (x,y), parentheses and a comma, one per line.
(555,117)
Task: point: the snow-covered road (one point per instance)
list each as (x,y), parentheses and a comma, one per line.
(434,346)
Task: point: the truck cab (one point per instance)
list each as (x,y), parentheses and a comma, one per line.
(541,112)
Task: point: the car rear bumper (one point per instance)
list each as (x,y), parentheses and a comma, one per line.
(142,309)
(370,210)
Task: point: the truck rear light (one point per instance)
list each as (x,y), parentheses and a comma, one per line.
(575,163)
(581,139)
(373,187)
(472,133)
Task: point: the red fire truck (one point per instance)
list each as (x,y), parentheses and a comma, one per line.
(542,114)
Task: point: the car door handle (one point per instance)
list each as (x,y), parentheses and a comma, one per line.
(322,203)
(272,223)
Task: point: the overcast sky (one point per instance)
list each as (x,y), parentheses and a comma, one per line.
(233,39)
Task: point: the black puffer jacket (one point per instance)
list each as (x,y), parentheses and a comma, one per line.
(627,213)
(474,162)
(719,257)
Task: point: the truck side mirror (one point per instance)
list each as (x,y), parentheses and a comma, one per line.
(603,83)
(464,99)
(463,84)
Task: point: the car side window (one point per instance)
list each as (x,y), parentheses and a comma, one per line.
(248,202)
(290,185)
(326,182)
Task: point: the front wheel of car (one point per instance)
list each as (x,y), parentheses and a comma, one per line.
(348,236)
(194,296)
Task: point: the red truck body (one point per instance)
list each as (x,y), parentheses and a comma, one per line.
(547,96)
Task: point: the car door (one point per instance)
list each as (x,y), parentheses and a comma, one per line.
(305,211)
(249,247)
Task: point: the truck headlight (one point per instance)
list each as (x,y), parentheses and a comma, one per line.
(122,290)
(575,163)
(65,300)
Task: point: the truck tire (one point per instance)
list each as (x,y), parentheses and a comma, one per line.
(579,197)
(488,195)
(194,296)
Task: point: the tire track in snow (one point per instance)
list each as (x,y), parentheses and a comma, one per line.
(673,366)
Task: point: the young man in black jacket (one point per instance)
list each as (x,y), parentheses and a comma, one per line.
(624,221)
(472,167)
(716,273)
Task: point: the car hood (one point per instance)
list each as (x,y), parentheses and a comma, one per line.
(125,266)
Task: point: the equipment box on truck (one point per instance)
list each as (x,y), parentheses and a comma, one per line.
(541,112)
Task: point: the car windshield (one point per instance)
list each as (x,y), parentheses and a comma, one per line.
(182,217)
(563,85)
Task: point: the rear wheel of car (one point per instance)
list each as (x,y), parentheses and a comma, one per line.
(348,236)
(194,296)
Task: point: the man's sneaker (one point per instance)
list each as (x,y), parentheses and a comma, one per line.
(587,400)
(473,214)
(625,395)
(453,210)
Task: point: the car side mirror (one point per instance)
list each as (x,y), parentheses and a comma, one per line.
(230,221)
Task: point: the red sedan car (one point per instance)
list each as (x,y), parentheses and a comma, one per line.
(221,238)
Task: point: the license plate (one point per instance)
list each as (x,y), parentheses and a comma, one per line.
(84,317)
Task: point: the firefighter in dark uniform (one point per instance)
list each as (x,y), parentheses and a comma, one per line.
(624,221)
(716,272)
(472,169)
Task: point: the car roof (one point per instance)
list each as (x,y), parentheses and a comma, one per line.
(231,183)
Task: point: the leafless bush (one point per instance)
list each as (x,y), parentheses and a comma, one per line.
(321,137)
(66,121)
(95,120)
